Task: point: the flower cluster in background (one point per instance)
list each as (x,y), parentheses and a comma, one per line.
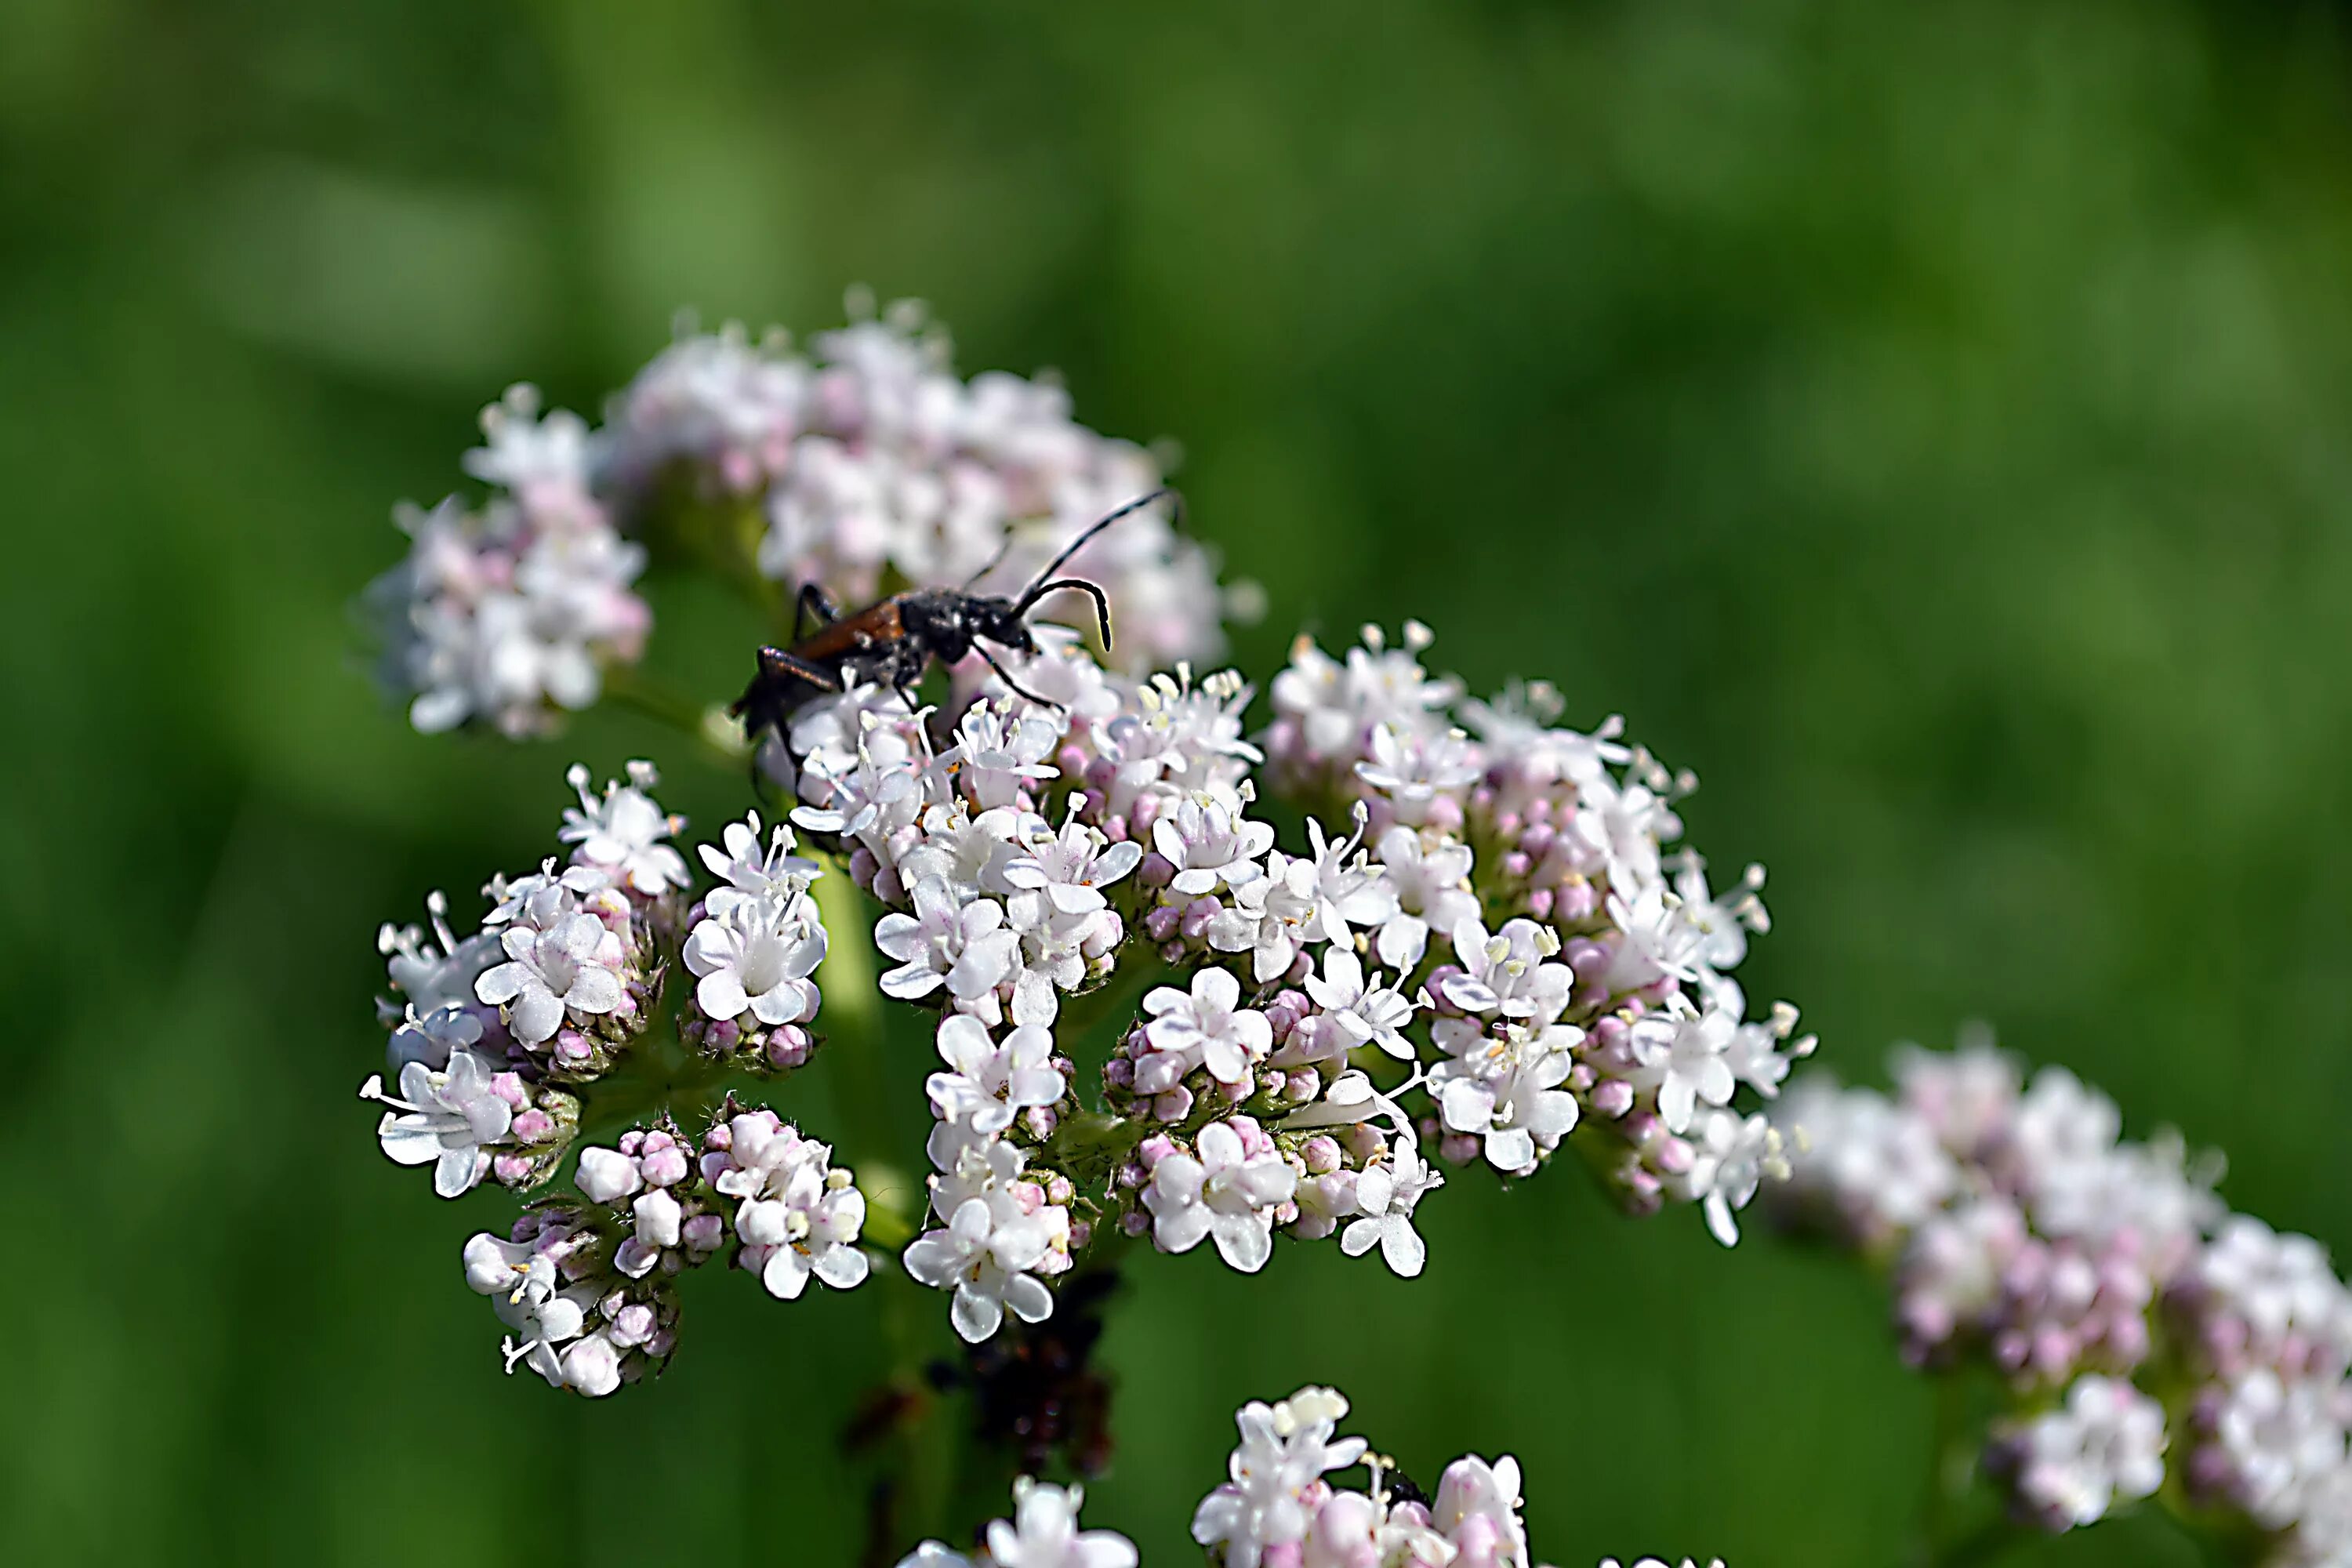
(864,465)
(1278,1509)
(2151,1341)
(508,613)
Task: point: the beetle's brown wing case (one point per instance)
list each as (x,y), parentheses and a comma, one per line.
(869,627)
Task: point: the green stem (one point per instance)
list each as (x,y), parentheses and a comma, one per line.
(917,1480)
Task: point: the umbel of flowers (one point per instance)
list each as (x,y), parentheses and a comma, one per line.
(2152,1343)
(1484,949)
(1282,1508)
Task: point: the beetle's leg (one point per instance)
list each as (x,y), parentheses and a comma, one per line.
(1006,676)
(777,661)
(811,596)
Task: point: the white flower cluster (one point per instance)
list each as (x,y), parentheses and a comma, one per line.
(1579,976)
(864,466)
(1277,1510)
(563,976)
(1026,847)
(588,1289)
(497,1038)
(575,1320)
(752,946)
(2022,1229)
(505,614)
(869,464)
(490,1029)
(1042,1533)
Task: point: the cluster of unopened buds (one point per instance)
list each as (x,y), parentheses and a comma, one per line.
(2148,1341)
(1280,1509)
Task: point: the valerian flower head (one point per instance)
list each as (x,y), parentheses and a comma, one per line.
(1503,943)
(1282,1506)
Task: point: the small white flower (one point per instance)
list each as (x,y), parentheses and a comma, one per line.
(548,1319)
(1043,1533)
(1226,1192)
(971,854)
(1430,879)
(756,958)
(1284,1450)
(443,1119)
(1414,771)
(1343,887)
(2104,1445)
(1732,1157)
(433,977)
(1622,828)
(750,873)
(1268,917)
(989,1082)
(1505,1091)
(1477,1510)
(434,1038)
(1722,923)
(1684,1059)
(1208,1026)
(622,833)
(1516,726)
(570,966)
(1072,868)
(995,760)
(1385,1197)
(800,1216)
(985,1254)
(2281,1441)
(1211,844)
(1364,1011)
(871,801)
(1508,973)
(962,947)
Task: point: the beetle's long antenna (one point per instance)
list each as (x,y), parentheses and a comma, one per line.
(994,561)
(1029,594)
(1092,591)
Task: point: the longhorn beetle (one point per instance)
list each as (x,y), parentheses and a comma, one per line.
(896,639)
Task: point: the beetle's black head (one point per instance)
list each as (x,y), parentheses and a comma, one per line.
(999,620)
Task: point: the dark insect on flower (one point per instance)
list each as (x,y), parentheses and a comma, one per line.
(896,639)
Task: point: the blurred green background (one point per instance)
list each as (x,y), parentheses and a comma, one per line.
(1928,422)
